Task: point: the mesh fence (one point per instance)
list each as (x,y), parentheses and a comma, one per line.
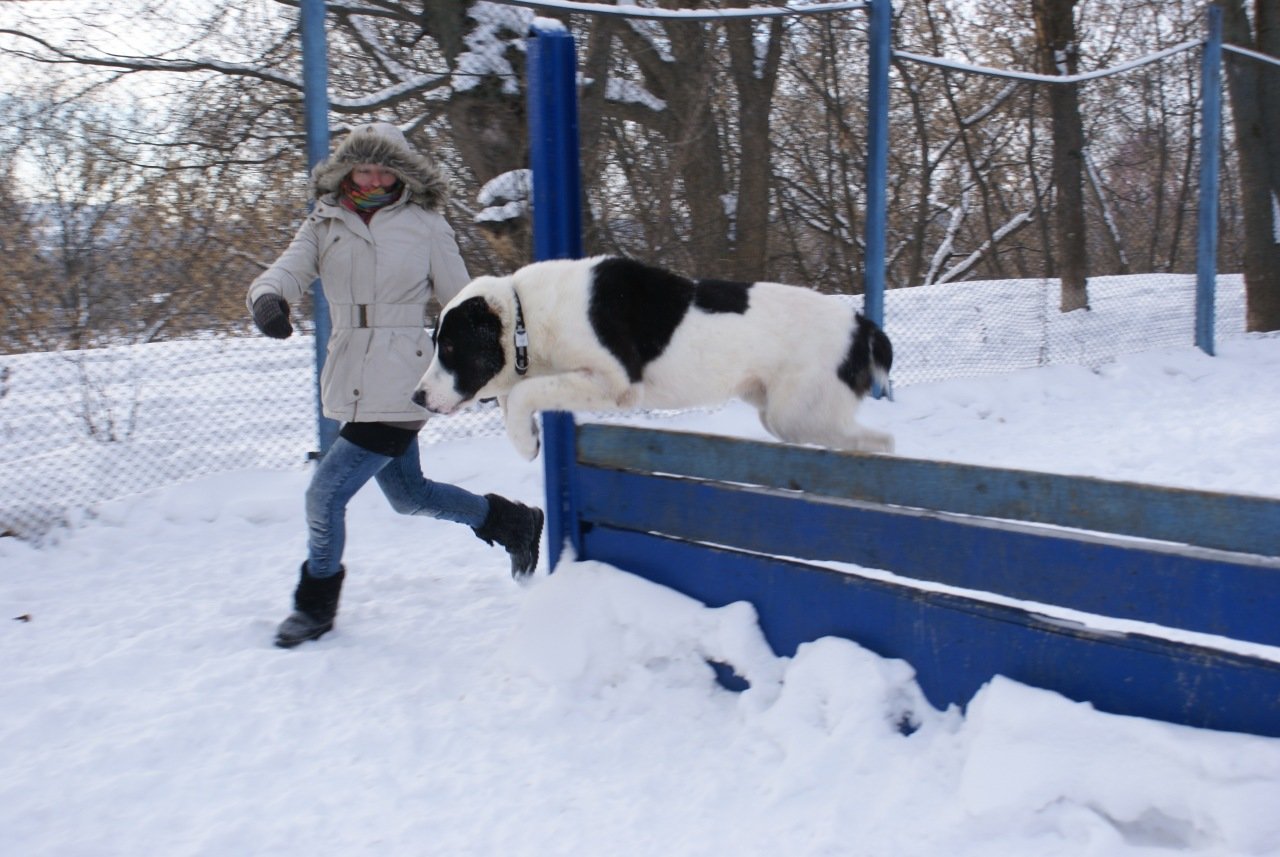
(984,201)
(979,328)
(82,427)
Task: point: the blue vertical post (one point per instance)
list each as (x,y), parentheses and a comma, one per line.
(1210,139)
(552,101)
(553,142)
(879,33)
(315,89)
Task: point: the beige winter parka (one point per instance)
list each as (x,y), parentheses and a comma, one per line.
(377,278)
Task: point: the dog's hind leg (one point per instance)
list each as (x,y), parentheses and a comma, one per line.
(788,414)
(798,416)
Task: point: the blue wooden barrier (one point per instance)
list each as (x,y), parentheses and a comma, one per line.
(726,520)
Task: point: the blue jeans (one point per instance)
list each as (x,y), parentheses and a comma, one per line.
(341,473)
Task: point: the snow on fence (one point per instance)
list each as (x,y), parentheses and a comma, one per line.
(1139,600)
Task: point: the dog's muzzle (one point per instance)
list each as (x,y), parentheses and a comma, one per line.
(420,398)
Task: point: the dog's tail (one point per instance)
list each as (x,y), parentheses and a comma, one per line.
(870,358)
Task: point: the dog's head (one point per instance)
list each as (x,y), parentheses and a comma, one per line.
(474,348)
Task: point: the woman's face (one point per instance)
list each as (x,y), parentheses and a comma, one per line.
(368,176)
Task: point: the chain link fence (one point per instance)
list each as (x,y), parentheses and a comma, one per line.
(82,427)
(989,164)
(942,332)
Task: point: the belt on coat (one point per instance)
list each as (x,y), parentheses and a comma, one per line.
(377,315)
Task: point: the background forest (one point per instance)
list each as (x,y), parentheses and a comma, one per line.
(152,156)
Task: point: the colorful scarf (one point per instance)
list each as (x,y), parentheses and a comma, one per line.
(366,202)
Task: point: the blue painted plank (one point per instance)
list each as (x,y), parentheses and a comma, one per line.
(1215,592)
(1208,519)
(956,644)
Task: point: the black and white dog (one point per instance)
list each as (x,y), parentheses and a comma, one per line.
(607,334)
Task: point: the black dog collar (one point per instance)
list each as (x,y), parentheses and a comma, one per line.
(522,339)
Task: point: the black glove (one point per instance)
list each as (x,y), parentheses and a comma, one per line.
(271,315)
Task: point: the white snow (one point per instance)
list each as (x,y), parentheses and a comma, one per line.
(506,196)
(499,28)
(548,25)
(631,92)
(144,711)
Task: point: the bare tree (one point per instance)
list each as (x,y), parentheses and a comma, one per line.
(24,303)
(755,51)
(109,251)
(1255,107)
(1058,49)
(730,148)
(79,219)
(819,156)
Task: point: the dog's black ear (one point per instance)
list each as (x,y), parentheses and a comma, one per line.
(498,309)
(471,345)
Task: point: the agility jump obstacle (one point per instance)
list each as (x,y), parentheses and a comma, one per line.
(964,572)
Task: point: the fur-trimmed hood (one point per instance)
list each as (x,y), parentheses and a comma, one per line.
(384,144)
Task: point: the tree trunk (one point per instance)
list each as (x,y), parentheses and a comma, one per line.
(488,125)
(1255,109)
(490,133)
(1059,54)
(755,79)
(697,153)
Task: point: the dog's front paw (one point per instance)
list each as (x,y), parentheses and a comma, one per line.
(524,437)
(875,441)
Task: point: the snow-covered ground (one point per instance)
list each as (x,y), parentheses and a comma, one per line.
(144,711)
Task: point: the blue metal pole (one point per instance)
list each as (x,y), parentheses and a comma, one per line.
(1210,139)
(879,34)
(315,87)
(553,143)
(552,101)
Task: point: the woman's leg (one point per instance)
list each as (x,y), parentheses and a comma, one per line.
(339,475)
(411,493)
(515,526)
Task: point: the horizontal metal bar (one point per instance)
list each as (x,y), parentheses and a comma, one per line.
(1245,52)
(690,14)
(1033,77)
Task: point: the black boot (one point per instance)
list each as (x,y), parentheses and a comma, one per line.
(315,603)
(516,527)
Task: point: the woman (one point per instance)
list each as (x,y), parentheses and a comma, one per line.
(378,241)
